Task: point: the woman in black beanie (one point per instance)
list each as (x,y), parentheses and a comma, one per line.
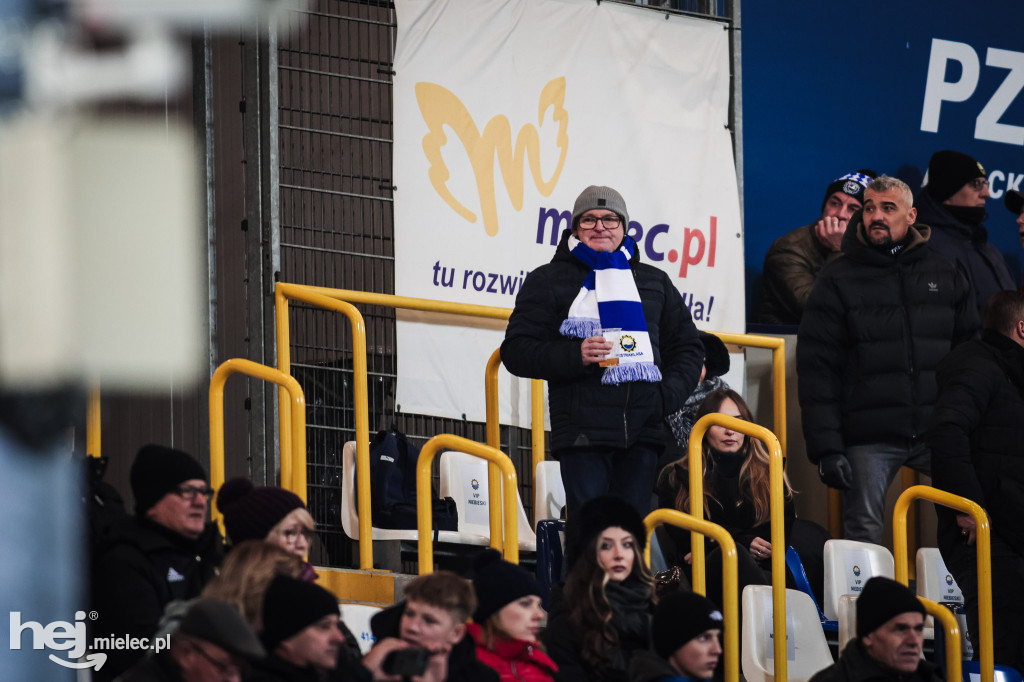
(602,614)
(507,620)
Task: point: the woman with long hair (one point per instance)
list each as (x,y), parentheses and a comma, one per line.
(245,574)
(736,493)
(602,613)
(508,619)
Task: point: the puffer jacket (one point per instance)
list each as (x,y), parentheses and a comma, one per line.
(791,266)
(515,660)
(584,412)
(876,326)
(976,435)
(967,247)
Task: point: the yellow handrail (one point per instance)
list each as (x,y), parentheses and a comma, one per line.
(93,424)
(282,293)
(508,494)
(952,630)
(493,433)
(984,550)
(777,500)
(293,461)
(730,599)
(778,349)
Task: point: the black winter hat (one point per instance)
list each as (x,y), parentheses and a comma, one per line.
(250,513)
(681,616)
(220,623)
(604,511)
(290,606)
(498,583)
(852,184)
(1014,201)
(948,171)
(158,470)
(881,600)
(716,355)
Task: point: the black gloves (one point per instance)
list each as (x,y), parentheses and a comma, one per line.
(835,472)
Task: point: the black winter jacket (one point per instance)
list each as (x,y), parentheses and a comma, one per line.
(275,669)
(854,665)
(583,411)
(967,247)
(140,567)
(876,327)
(463,665)
(977,435)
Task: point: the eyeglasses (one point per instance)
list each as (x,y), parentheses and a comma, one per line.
(290,535)
(609,222)
(979,184)
(189,492)
(229,670)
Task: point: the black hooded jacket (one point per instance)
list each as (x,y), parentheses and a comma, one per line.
(967,247)
(584,412)
(876,326)
(977,435)
(139,568)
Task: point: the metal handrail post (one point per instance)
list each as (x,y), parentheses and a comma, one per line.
(493,433)
(730,598)
(507,493)
(778,534)
(983,546)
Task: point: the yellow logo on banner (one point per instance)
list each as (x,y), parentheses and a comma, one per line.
(440,107)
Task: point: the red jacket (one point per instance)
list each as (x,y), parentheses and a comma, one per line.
(516,660)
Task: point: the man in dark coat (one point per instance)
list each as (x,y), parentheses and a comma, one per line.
(1014,202)
(890,636)
(977,441)
(606,420)
(952,203)
(166,551)
(213,643)
(876,326)
(794,260)
(432,617)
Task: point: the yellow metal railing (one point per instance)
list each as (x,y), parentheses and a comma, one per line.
(341,300)
(293,458)
(952,632)
(508,494)
(730,598)
(777,493)
(984,549)
(93,424)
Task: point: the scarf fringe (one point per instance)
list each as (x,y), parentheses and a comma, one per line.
(636,371)
(580,327)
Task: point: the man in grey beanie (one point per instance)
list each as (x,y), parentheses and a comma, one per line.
(616,344)
(890,638)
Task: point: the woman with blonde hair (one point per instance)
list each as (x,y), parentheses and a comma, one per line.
(267,513)
(736,493)
(245,574)
(602,615)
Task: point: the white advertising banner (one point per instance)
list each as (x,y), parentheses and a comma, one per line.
(505,110)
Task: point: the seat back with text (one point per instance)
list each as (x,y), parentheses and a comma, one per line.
(464,479)
(357,619)
(806,646)
(934,581)
(848,565)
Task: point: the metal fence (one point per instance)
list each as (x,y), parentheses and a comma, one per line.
(334,127)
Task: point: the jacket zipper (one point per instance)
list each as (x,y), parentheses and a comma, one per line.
(516,672)
(625,418)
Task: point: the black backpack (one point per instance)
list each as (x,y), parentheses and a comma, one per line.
(393,485)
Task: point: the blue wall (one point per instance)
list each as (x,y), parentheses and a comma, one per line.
(832,87)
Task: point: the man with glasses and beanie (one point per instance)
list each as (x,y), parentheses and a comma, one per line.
(952,203)
(166,551)
(616,344)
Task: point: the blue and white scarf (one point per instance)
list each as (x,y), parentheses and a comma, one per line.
(609,299)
